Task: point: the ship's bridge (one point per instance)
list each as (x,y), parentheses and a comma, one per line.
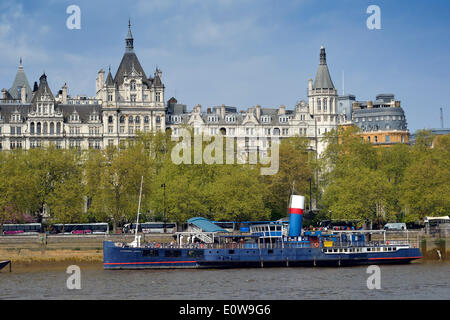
(275,229)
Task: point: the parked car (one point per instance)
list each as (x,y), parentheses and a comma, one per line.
(398,226)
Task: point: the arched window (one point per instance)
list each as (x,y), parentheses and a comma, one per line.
(319,105)
(276,132)
(110,119)
(38,128)
(130,119)
(137,120)
(122,119)
(32,128)
(325,105)
(45,131)
(146,119)
(58,128)
(52,128)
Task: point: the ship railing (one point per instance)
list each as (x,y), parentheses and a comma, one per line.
(280,245)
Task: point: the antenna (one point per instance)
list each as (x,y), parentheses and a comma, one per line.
(442,119)
(343,83)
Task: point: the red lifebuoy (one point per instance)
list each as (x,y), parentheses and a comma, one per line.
(315,244)
(201,245)
(157,245)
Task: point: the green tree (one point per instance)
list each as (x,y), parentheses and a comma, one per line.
(296,167)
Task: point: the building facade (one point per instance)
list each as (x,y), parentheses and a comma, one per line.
(123,105)
(382,122)
(130,101)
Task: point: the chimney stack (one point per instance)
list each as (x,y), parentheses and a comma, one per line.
(23,95)
(64,94)
(258,112)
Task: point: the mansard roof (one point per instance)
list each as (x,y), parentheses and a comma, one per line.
(20,81)
(83,110)
(7,109)
(43,89)
(323,78)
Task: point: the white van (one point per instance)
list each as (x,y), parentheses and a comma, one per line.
(399,226)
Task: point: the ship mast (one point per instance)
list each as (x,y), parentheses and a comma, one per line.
(137,238)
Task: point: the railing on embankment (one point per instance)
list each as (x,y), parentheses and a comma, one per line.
(432,247)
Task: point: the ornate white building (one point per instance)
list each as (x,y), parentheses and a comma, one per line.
(130,102)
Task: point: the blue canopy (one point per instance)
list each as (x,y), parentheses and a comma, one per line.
(205,225)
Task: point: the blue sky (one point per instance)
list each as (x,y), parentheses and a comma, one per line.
(240,52)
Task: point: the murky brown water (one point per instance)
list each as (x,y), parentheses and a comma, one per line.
(418,280)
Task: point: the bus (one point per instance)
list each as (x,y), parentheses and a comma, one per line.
(80,228)
(22,229)
(437,224)
(150,227)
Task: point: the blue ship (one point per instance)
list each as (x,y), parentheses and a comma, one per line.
(275,244)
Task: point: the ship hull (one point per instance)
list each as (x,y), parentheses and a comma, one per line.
(171,258)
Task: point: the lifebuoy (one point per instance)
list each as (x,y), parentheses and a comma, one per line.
(157,245)
(315,244)
(387,242)
(201,245)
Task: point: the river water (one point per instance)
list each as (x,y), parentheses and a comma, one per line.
(418,280)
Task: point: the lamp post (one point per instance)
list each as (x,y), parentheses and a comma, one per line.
(164,203)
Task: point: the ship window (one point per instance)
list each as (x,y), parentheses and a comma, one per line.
(368,249)
(231,251)
(173,253)
(270,251)
(195,253)
(394,248)
(149,253)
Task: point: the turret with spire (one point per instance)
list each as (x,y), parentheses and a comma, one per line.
(322,97)
(323,78)
(20,81)
(129,39)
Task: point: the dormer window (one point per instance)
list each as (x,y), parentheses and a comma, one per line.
(74,117)
(230,119)
(266,119)
(133,85)
(283,119)
(158,97)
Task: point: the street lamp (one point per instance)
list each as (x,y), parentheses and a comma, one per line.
(164,203)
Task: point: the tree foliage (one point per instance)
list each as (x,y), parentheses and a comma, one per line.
(354,181)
